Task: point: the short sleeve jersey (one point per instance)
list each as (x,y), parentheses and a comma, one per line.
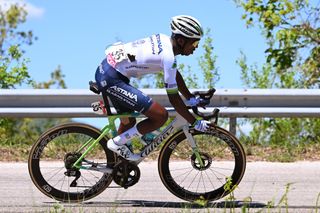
(148,55)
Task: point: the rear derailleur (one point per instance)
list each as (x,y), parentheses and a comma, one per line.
(69,160)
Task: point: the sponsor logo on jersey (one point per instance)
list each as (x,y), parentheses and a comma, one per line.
(159,44)
(103,83)
(137,67)
(101,69)
(174,65)
(138,42)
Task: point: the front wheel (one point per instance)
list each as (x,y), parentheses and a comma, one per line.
(52,157)
(223,166)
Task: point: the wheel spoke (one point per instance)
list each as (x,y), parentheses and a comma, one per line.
(57,147)
(182,173)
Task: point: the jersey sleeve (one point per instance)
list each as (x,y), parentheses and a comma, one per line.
(170,72)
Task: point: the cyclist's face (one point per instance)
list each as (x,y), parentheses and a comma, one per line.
(190,46)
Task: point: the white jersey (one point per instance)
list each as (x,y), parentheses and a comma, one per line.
(145,56)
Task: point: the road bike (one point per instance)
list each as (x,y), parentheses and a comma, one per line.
(71,162)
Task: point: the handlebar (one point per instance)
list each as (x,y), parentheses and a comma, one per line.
(206,96)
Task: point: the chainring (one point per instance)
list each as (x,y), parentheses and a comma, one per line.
(126,174)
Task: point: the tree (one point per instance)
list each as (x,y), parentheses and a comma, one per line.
(207,62)
(13,67)
(292,30)
(56,80)
(14,72)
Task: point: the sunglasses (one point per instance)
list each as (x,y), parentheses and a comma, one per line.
(195,44)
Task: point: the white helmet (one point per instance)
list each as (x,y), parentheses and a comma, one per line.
(187,26)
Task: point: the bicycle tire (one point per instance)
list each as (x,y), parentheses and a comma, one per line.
(223,169)
(45,157)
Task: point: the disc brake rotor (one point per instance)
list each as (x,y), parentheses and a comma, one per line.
(206,159)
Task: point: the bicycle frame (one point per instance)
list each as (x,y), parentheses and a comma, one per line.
(177,124)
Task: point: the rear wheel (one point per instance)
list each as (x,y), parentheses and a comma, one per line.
(224,165)
(52,156)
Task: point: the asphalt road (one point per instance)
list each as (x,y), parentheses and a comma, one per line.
(264,183)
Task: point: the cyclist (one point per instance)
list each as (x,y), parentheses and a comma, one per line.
(149,55)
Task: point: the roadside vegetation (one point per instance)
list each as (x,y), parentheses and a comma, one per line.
(292,60)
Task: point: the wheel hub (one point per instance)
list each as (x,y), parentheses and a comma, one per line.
(206,159)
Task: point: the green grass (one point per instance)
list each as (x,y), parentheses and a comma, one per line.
(11,151)
(229,205)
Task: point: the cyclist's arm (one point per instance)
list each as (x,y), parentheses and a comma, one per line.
(175,83)
(182,86)
(180,107)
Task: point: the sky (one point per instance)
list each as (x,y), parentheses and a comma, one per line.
(73,34)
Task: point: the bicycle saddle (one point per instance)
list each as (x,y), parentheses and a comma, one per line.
(94,87)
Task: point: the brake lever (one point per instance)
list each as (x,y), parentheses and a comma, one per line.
(205,94)
(214,115)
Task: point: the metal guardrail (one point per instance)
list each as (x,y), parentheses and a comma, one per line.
(233,103)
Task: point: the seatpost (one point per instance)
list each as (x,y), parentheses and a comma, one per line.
(106,102)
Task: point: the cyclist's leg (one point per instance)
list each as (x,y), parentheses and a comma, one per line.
(127,98)
(125,124)
(156,115)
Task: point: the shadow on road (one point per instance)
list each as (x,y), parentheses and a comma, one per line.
(178,205)
(145,203)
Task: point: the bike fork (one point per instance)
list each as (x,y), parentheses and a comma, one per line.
(193,144)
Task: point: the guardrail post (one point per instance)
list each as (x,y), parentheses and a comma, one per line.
(233,125)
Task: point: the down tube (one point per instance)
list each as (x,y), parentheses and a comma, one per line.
(175,125)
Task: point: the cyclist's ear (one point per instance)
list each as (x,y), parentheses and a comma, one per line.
(181,41)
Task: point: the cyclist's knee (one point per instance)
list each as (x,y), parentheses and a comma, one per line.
(128,121)
(164,116)
(157,113)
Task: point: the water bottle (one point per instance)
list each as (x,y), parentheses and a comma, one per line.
(146,139)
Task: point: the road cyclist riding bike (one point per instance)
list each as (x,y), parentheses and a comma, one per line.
(74,162)
(149,55)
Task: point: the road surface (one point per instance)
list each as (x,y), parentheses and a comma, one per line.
(264,183)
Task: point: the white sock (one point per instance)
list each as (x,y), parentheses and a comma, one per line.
(124,137)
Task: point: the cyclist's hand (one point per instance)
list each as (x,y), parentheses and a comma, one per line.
(197,101)
(202,125)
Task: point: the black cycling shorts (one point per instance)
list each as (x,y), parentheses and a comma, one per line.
(124,97)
